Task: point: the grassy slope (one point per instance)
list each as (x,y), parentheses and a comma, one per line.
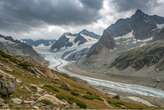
(63,86)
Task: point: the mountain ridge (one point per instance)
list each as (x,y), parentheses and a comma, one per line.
(141,26)
(16,47)
(69,40)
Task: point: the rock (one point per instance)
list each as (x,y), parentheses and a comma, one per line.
(35,88)
(116,97)
(18,81)
(1,64)
(5,107)
(7,85)
(16,101)
(8,69)
(140,100)
(36,107)
(51,100)
(1,102)
(28,102)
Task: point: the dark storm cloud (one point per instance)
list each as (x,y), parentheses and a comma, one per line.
(127,5)
(21,15)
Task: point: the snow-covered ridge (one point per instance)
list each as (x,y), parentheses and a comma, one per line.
(73,46)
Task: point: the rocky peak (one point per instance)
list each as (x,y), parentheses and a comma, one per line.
(139,13)
(67,33)
(84,31)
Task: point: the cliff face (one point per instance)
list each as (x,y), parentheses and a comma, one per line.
(106,41)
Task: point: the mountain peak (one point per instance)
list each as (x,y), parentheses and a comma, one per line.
(139,13)
(84,31)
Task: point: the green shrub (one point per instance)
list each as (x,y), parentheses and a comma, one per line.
(92,97)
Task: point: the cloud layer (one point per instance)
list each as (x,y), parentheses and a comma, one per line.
(23,14)
(127,5)
(50,18)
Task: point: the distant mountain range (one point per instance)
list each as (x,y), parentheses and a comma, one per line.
(40,42)
(68,40)
(18,48)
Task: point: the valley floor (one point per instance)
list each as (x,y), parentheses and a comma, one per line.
(110,84)
(124,86)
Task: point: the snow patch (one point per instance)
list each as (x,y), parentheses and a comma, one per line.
(88,38)
(160,26)
(127,36)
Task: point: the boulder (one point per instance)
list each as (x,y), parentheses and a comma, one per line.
(7,85)
(50,99)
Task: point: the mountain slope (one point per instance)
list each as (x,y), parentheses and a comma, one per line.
(15,47)
(149,55)
(26,84)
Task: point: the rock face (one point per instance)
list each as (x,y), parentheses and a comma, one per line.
(106,41)
(68,40)
(7,85)
(15,47)
(138,58)
(142,25)
(160,35)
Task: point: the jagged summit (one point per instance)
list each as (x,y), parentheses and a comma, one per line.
(68,40)
(139,12)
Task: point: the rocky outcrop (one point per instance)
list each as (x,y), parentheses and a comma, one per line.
(160,35)
(106,41)
(51,101)
(7,85)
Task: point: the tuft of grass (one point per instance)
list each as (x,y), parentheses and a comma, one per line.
(92,97)
(51,88)
(71,99)
(75,93)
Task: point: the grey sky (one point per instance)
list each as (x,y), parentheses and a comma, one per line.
(50,18)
